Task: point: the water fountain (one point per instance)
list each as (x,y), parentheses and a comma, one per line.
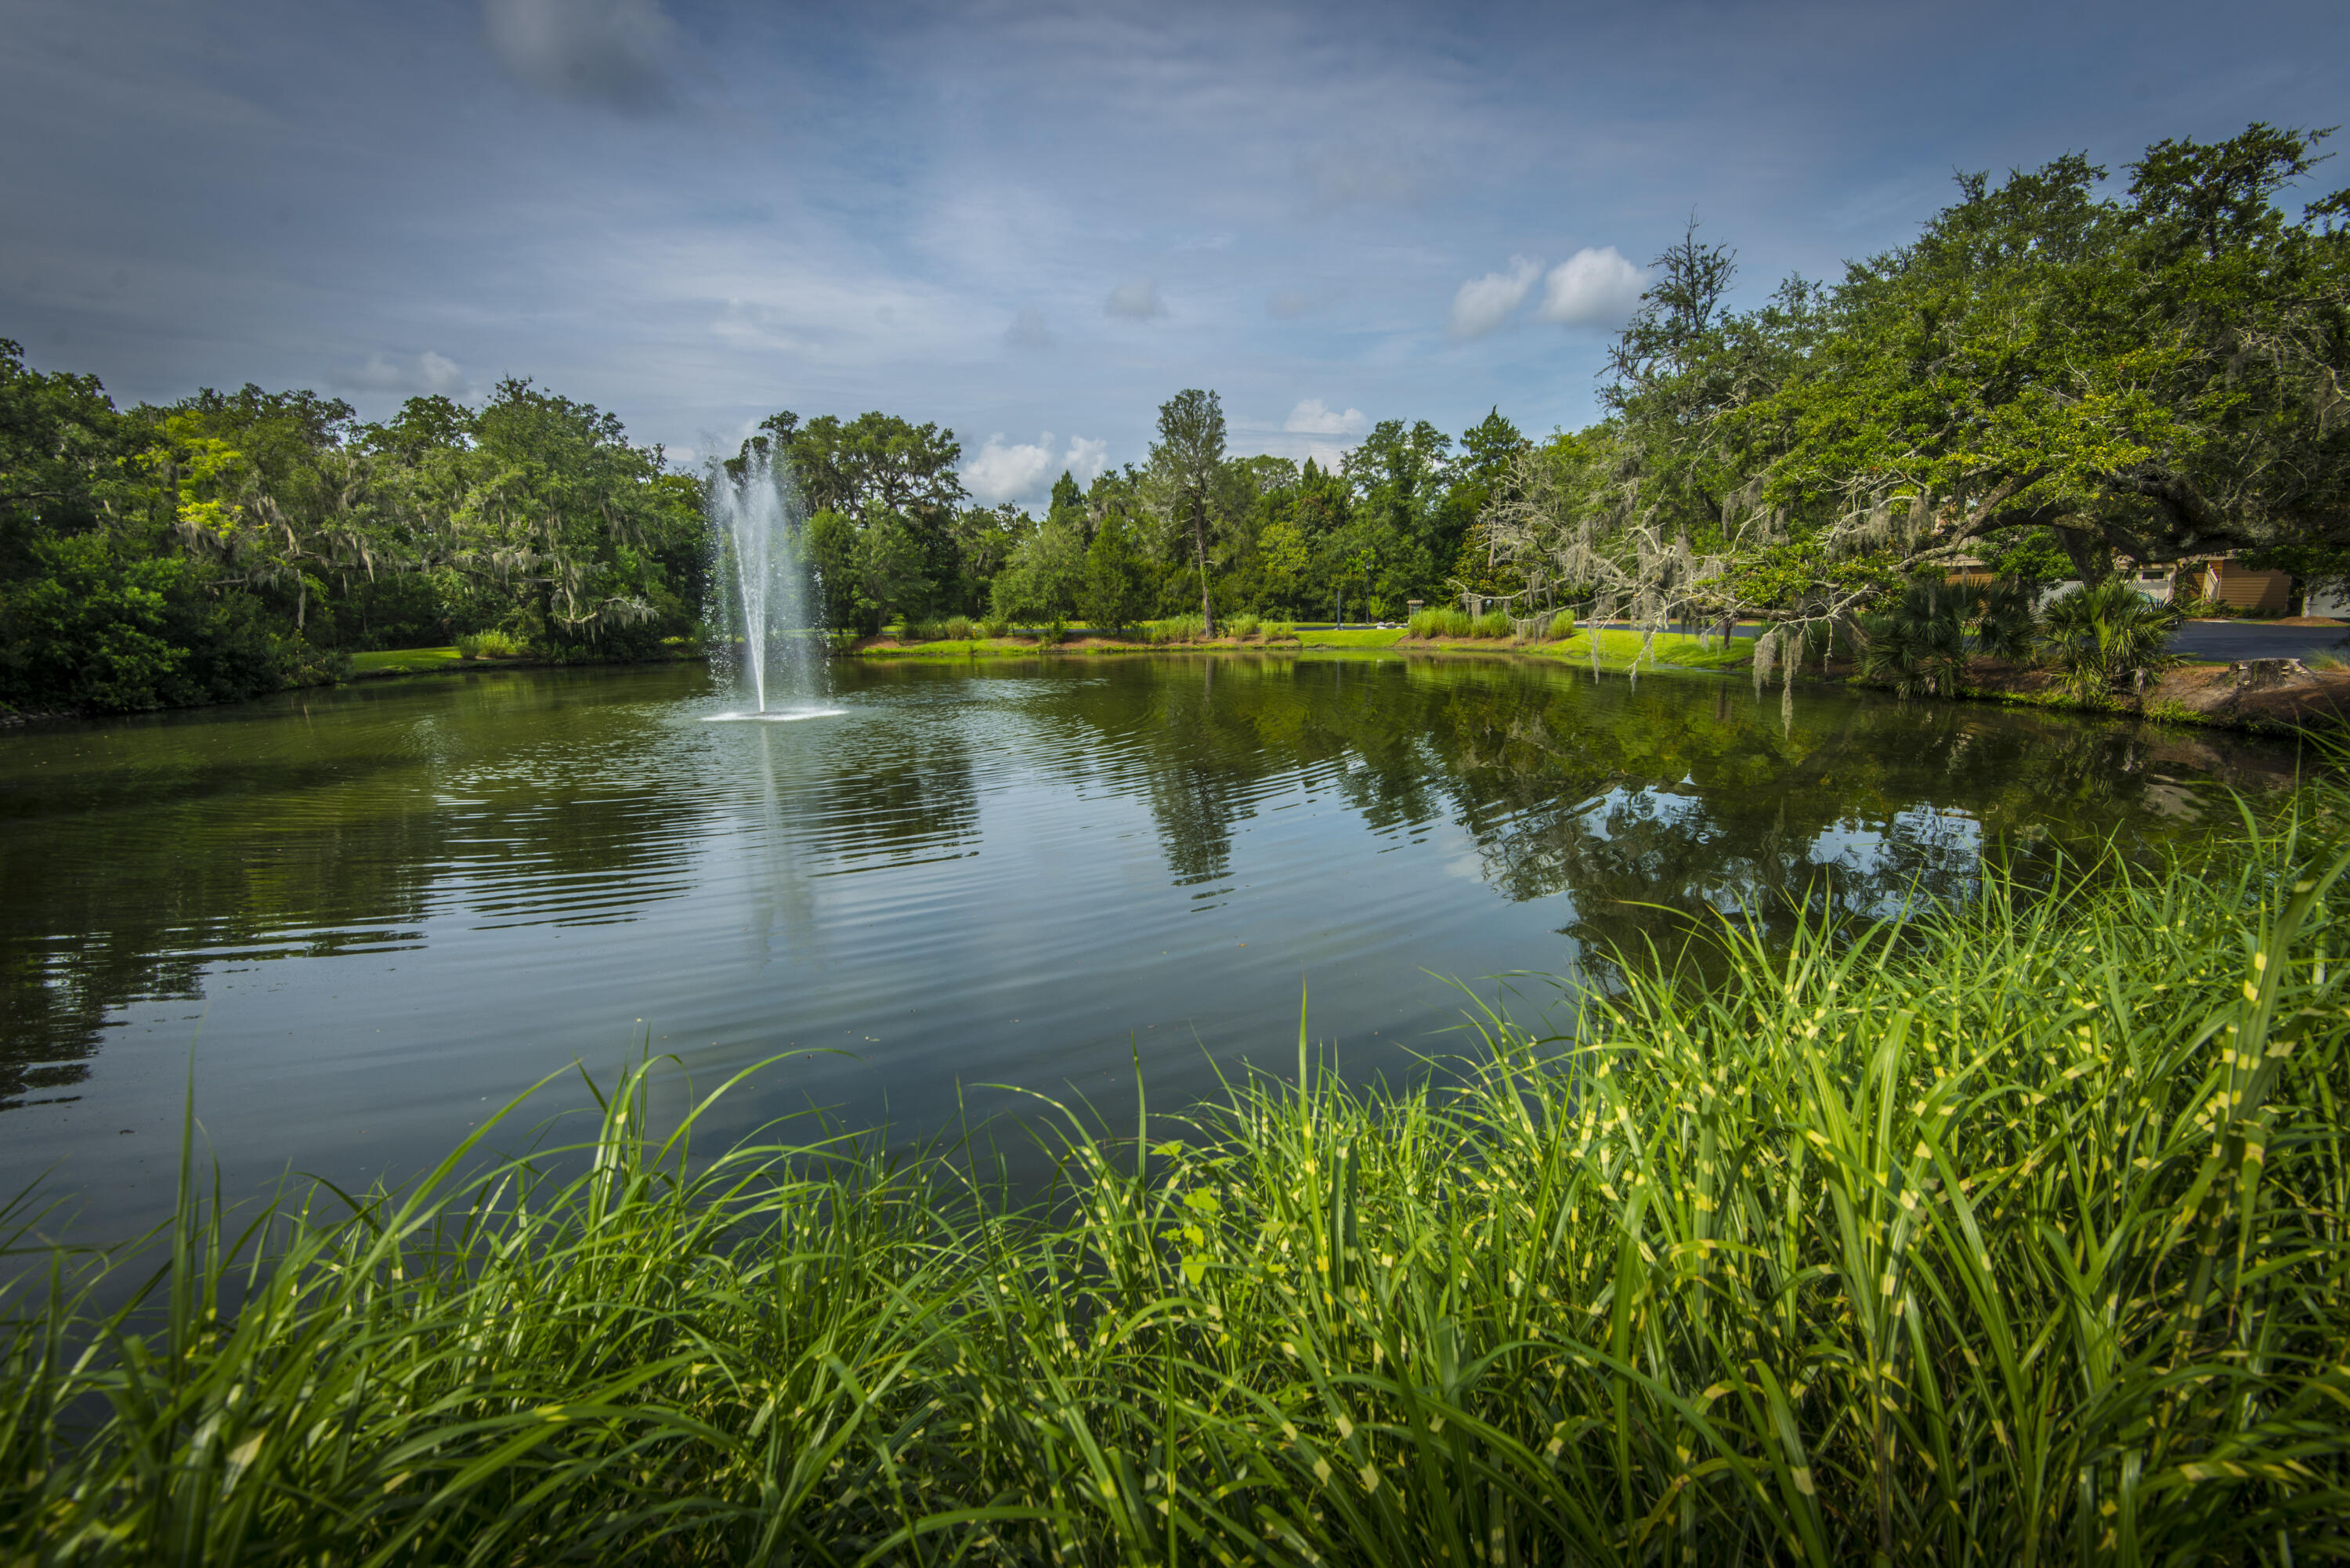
(763,592)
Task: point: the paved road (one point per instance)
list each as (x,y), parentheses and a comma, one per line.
(2231,639)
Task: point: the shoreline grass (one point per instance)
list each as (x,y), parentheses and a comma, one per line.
(2012,1233)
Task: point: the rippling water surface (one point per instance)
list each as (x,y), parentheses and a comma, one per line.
(373,914)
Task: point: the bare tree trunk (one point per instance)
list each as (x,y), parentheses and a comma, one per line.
(1199,540)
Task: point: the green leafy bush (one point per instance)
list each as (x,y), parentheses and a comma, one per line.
(489,645)
(86,629)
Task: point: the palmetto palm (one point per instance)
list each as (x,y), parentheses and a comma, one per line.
(2004,619)
(2107,634)
(1919,645)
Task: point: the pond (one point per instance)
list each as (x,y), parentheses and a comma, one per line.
(362,918)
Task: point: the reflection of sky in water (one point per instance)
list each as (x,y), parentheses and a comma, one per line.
(1929,850)
(387,910)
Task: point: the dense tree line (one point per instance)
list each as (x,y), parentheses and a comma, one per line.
(1192,530)
(2048,380)
(233,543)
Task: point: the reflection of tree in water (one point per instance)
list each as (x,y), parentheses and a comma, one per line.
(114,900)
(1204,739)
(219,839)
(1646,803)
(1647,807)
(907,795)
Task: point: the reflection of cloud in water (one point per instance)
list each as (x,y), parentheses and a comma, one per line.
(1922,852)
(2166,798)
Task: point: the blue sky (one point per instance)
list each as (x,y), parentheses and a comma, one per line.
(1031,224)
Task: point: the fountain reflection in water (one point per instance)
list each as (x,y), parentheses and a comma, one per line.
(763,592)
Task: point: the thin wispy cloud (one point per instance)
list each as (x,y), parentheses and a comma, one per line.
(1291,303)
(424,373)
(1028,331)
(1135,301)
(1356,175)
(617,54)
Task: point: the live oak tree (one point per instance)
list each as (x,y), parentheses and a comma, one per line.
(2157,373)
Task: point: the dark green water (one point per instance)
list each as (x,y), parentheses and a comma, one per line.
(376,913)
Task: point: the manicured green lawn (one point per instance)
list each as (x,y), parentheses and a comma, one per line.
(1616,648)
(1619,649)
(404,660)
(1353,637)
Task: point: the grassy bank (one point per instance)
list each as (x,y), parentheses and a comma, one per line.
(2014,1235)
(386,663)
(1351,637)
(405,662)
(1616,648)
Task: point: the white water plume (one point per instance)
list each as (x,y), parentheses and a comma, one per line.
(764,590)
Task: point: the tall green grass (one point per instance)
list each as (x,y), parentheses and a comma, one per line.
(490,645)
(1460,623)
(2012,1233)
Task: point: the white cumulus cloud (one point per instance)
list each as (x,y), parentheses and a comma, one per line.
(1313,417)
(1136,301)
(1084,460)
(1485,303)
(1591,289)
(1024,470)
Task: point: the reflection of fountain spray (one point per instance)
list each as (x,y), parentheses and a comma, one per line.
(755,537)
(777,886)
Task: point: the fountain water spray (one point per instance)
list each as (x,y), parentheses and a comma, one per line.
(763,590)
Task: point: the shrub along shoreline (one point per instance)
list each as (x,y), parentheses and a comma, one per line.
(2012,1233)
